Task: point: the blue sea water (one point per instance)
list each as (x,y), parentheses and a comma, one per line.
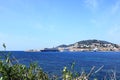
(54,62)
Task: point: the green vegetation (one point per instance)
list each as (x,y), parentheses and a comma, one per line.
(16,71)
(10,69)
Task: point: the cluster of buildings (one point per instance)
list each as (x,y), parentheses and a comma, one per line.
(90,47)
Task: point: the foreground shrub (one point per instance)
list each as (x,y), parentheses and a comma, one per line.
(16,71)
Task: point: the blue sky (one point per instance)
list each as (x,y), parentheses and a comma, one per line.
(35,24)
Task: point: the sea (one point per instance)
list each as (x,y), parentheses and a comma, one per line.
(106,63)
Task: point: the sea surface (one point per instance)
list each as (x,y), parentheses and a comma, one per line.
(54,62)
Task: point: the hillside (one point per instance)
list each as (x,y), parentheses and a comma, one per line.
(90,45)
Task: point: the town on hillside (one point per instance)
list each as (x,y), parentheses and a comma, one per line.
(90,45)
(84,45)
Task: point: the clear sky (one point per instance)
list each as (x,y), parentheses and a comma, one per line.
(35,24)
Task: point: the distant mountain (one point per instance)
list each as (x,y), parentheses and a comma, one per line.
(91,44)
(87,42)
(63,45)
